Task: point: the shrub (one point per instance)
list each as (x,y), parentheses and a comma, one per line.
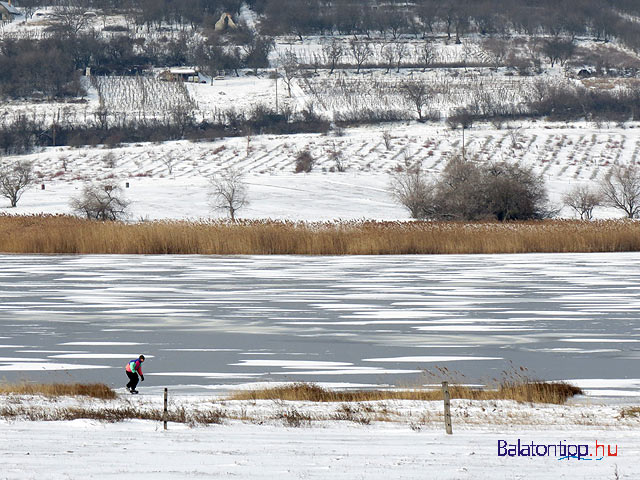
(461,117)
(471,190)
(304,162)
(101,202)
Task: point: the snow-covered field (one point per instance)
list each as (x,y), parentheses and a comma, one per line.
(411,445)
(169,179)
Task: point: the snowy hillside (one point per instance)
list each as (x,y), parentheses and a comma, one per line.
(169,179)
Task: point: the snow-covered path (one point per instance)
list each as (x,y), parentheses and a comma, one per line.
(142,450)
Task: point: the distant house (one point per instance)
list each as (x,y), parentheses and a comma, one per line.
(8,12)
(225,23)
(182,74)
(42,15)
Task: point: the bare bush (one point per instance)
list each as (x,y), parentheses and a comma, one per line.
(228,191)
(620,189)
(583,199)
(412,189)
(471,190)
(461,117)
(336,155)
(304,162)
(457,194)
(14,180)
(514,192)
(101,201)
(110,160)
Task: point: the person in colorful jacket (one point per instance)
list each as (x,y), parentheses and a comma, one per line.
(133,369)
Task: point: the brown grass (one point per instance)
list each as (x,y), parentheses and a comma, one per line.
(109,414)
(64,234)
(529,391)
(633,412)
(94,390)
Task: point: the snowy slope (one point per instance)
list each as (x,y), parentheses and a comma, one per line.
(169,179)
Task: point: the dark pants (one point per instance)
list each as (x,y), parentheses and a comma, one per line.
(133,380)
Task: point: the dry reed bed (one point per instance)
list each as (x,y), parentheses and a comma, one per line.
(528,391)
(92,390)
(64,234)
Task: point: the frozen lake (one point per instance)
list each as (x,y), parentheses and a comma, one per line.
(216,322)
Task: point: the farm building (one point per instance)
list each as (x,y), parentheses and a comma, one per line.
(182,74)
(8,12)
(225,23)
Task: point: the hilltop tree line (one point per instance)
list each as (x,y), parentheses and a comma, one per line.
(602,19)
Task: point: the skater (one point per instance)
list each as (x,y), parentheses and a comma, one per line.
(134,368)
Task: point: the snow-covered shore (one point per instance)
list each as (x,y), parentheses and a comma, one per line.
(404,439)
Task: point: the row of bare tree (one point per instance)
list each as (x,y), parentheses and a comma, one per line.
(465,190)
(105,200)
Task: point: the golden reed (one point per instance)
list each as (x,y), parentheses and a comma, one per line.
(520,391)
(94,390)
(50,234)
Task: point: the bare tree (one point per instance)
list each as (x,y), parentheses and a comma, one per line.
(333,51)
(498,48)
(583,199)
(101,201)
(228,191)
(361,52)
(290,67)
(620,189)
(412,189)
(388,54)
(14,180)
(28,7)
(169,162)
(418,94)
(336,155)
(386,138)
(558,50)
(182,117)
(72,19)
(400,52)
(426,52)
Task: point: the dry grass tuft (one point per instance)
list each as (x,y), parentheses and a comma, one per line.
(94,390)
(525,391)
(633,412)
(109,414)
(64,234)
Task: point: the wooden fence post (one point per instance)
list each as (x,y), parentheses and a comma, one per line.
(447,407)
(165,414)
